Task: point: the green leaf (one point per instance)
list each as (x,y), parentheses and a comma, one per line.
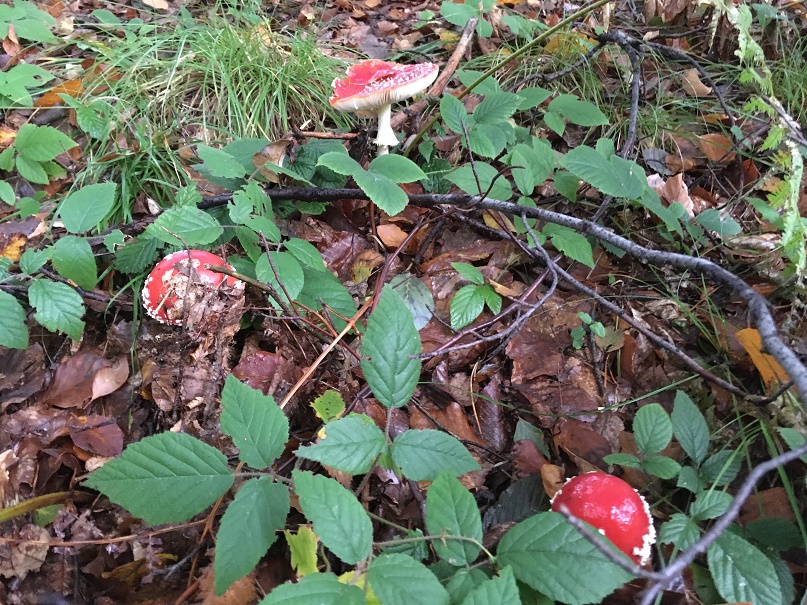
(453,112)
(496,591)
(306,253)
(627,460)
(496,108)
(194,227)
(418,550)
(689,480)
(794,440)
(723,226)
(388,349)
(13,331)
(710,505)
(136,256)
(58,307)
(547,542)
(424,454)
(741,571)
(463,582)
(469,272)
(661,467)
(721,468)
(532,96)
(351,445)
(466,306)
(323,287)
(31,171)
(400,580)
(689,427)
(248,528)
(397,168)
(652,428)
(416,296)
(340,162)
(481,144)
(679,530)
(382,191)
(73,258)
(578,112)
(573,244)
(257,425)
(465,178)
(41,143)
(612,176)
(165,478)
(7,194)
(328,406)
(451,510)
(33,260)
(492,299)
(555,122)
(339,519)
(219,163)
(319,588)
(288,269)
(567,184)
(84,209)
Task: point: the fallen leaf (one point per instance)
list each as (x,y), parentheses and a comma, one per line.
(108,380)
(71,88)
(391,235)
(717,148)
(160,5)
(552,478)
(692,85)
(769,369)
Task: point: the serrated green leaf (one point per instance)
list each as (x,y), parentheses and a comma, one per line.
(469,272)
(555,122)
(219,163)
(466,306)
(690,428)
(465,178)
(328,406)
(41,143)
(248,528)
(481,144)
(612,176)
(136,256)
(689,480)
(532,96)
(339,519)
(7,194)
(58,307)
(741,571)
(408,544)
(397,168)
(13,331)
(32,260)
(652,428)
(306,253)
(547,542)
(573,244)
(679,530)
(463,582)
(322,287)
(496,591)
(283,273)
(424,454)
(340,163)
(382,191)
(710,505)
(350,445)
(627,460)
(257,425)
(453,113)
(319,588)
(73,258)
(185,226)
(400,580)
(492,299)
(165,478)
(723,226)
(721,468)
(661,467)
(451,511)
(582,113)
(31,171)
(794,440)
(416,296)
(496,108)
(388,349)
(84,209)
(303,548)
(522,172)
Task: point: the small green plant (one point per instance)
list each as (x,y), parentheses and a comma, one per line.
(33,152)
(470,300)
(589,325)
(460,13)
(28,21)
(19,83)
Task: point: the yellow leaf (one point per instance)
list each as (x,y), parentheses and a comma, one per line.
(769,369)
(350,577)
(303,546)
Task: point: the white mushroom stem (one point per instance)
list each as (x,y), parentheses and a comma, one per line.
(386,135)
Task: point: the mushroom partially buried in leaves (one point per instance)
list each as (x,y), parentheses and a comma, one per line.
(614,508)
(373,86)
(180,287)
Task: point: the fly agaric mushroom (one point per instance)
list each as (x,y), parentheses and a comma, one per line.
(614,508)
(373,86)
(180,281)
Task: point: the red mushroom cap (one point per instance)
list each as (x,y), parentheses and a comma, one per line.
(174,278)
(372,84)
(613,507)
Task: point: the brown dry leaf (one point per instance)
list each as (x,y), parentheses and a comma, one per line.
(18,559)
(527,458)
(675,190)
(97,434)
(364,265)
(7,460)
(264,371)
(692,85)
(131,573)
(767,504)
(71,88)
(108,380)
(717,148)
(275,152)
(391,235)
(502,290)
(7,136)
(240,592)
(12,249)
(372,3)
(581,441)
(73,384)
(160,5)
(552,478)
(769,369)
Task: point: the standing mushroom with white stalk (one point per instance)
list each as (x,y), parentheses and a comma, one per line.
(373,86)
